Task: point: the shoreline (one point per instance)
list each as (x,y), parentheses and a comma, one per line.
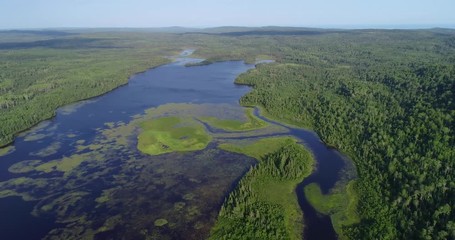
(54,114)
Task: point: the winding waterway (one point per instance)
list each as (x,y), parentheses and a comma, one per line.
(97,183)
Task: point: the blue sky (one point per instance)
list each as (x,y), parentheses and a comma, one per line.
(209,13)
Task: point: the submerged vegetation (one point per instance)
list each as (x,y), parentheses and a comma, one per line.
(264,204)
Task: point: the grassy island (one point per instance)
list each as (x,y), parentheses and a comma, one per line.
(172,134)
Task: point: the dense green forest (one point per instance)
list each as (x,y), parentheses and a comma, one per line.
(383,97)
(390,106)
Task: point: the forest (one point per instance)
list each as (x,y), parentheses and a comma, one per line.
(385,98)
(391,109)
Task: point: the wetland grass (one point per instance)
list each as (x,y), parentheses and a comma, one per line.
(172,134)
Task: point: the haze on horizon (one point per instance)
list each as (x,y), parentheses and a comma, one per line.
(19,14)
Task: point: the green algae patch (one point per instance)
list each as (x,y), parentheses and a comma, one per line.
(340,204)
(179,206)
(61,205)
(105,196)
(259,148)
(48,151)
(160,222)
(7,150)
(68,164)
(34,137)
(172,134)
(8,193)
(251,123)
(110,223)
(24,166)
(64,165)
(16,187)
(68,109)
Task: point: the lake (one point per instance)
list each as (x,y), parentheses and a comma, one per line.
(80,175)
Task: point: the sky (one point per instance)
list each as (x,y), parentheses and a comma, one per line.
(15,14)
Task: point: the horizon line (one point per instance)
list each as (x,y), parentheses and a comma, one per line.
(324,26)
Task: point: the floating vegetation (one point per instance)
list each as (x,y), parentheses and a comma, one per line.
(48,151)
(34,137)
(179,206)
(41,126)
(66,164)
(28,188)
(52,128)
(110,124)
(67,110)
(61,205)
(7,150)
(106,195)
(160,222)
(24,166)
(43,130)
(188,196)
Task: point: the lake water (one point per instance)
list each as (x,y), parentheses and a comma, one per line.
(83,177)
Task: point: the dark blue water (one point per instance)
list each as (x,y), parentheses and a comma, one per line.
(172,83)
(17,221)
